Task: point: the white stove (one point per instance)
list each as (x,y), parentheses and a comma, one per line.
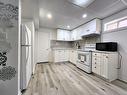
(84,60)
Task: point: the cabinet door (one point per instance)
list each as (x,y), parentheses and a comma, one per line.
(56,56)
(78,33)
(85,29)
(75,57)
(67,35)
(66,55)
(61,55)
(104,66)
(60,35)
(71,56)
(73,35)
(91,27)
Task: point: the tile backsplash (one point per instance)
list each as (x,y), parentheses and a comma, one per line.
(65,44)
(87,40)
(60,44)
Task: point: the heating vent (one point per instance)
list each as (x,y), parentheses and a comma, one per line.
(81,3)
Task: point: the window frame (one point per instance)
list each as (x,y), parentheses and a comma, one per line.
(120,21)
(112,22)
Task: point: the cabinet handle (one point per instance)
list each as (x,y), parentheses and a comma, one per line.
(95,63)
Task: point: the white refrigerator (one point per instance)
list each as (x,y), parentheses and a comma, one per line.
(26,63)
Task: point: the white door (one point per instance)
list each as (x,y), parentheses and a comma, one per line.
(43,46)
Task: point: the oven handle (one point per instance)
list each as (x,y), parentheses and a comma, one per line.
(82,63)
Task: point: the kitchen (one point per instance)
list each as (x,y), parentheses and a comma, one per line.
(64,47)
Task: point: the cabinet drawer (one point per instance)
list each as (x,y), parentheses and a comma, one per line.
(96,54)
(96,60)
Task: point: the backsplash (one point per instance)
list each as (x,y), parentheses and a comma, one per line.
(87,40)
(81,43)
(60,44)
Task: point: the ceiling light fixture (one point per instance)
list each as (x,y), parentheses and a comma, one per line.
(84,15)
(68,26)
(81,3)
(49,16)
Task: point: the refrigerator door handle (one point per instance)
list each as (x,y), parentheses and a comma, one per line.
(27,35)
(28,44)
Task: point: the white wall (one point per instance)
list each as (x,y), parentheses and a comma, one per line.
(120,37)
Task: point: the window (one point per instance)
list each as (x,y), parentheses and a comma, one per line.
(111,26)
(122,23)
(116,24)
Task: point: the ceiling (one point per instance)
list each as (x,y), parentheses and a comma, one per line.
(65,13)
(30,11)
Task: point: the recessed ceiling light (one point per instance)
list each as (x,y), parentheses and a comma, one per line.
(49,16)
(84,15)
(68,26)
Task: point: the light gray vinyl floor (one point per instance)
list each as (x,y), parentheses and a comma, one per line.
(66,79)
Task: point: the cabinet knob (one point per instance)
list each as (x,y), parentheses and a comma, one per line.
(95,58)
(106,56)
(94,67)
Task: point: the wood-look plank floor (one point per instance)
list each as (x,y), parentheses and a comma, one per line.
(66,79)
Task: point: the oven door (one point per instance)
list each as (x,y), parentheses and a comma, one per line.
(84,58)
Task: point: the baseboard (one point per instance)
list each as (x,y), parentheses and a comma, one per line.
(123,78)
(72,63)
(42,62)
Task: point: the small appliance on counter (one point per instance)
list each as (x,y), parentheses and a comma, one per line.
(106,46)
(77,45)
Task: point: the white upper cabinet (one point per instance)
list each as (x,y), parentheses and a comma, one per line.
(67,35)
(76,34)
(92,27)
(63,35)
(73,35)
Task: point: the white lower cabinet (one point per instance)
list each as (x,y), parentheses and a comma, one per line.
(65,55)
(60,55)
(73,56)
(105,64)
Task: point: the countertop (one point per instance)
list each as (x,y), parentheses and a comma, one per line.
(82,50)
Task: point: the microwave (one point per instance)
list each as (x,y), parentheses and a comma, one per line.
(106,46)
